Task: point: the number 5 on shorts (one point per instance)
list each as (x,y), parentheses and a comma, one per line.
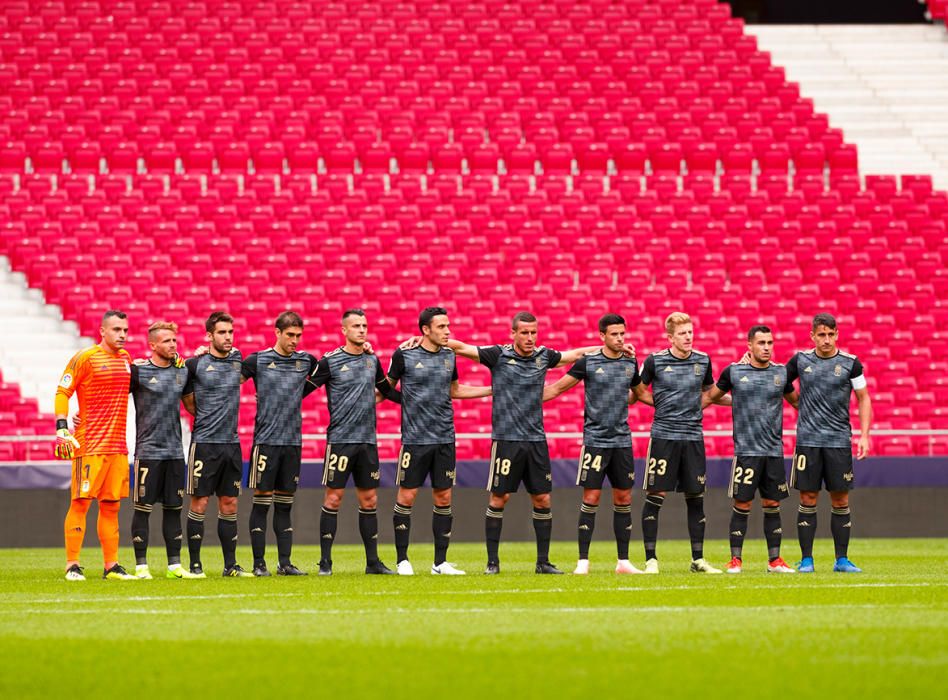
(261,463)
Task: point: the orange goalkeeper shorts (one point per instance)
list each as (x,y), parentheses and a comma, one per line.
(103,477)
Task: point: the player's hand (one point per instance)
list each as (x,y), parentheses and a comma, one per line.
(201,350)
(178,361)
(412,342)
(628,350)
(66,444)
(863,446)
(745,359)
(367,348)
(76,420)
(139,361)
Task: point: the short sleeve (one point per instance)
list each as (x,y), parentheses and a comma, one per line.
(489,355)
(636,377)
(321,374)
(857,369)
(578,370)
(724,381)
(648,370)
(856,378)
(133,381)
(191,363)
(708,376)
(792,371)
(248,368)
(397,367)
(454,372)
(553,358)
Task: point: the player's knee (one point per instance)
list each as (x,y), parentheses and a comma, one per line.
(622,497)
(592,496)
(199,504)
(839,499)
(441,498)
(541,500)
(333,500)
(808,498)
(745,505)
(767,503)
(406,497)
(499,500)
(368,501)
(227,505)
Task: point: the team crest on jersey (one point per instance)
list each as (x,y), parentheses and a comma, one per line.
(838,371)
(628,373)
(697,370)
(777,381)
(447,364)
(236,365)
(368,363)
(539,363)
(299,366)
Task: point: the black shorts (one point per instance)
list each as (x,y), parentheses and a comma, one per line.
(815,466)
(596,463)
(159,480)
(512,462)
(415,462)
(752,474)
(359,459)
(675,465)
(275,468)
(214,469)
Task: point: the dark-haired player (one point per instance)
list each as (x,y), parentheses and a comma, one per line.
(758,389)
(519,452)
(609,377)
(429,380)
(279,375)
(157,387)
(679,376)
(212,396)
(824,454)
(351,377)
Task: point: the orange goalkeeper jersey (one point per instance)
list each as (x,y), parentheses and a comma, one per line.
(101,380)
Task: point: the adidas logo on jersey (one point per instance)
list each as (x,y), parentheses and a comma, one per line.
(419,365)
(153,380)
(668,369)
(511,361)
(808,370)
(210,368)
(744,380)
(345,368)
(272,365)
(600,371)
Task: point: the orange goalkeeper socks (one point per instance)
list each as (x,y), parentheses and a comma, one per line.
(108,528)
(75,527)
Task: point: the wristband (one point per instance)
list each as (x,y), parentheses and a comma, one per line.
(62,424)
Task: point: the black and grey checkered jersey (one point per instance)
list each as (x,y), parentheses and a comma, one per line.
(517,387)
(676,387)
(215,383)
(825,390)
(350,382)
(606,415)
(426,378)
(757,407)
(157,393)
(279,381)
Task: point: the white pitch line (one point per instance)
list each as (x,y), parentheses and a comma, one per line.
(467,611)
(143,598)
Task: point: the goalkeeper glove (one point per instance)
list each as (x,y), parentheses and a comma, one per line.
(66,444)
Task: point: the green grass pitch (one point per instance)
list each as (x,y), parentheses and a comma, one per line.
(881,634)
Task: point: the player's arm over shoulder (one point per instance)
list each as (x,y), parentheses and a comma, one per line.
(471,352)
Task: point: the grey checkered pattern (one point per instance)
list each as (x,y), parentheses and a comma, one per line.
(215,383)
(606,416)
(517,385)
(757,395)
(426,377)
(350,390)
(677,386)
(279,381)
(825,390)
(157,393)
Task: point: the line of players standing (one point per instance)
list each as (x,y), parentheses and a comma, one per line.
(681,382)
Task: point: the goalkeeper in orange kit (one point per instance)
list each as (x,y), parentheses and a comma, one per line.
(100,377)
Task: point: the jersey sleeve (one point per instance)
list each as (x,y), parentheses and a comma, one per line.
(248,368)
(454,373)
(133,378)
(724,381)
(648,371)
(72,375)
(489,355)
(191,363)
(320,375)
(856,376)
(397,367)
(578,370)
(708,376)
(382,384)
(553,358)
(792,372)
(636,377)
